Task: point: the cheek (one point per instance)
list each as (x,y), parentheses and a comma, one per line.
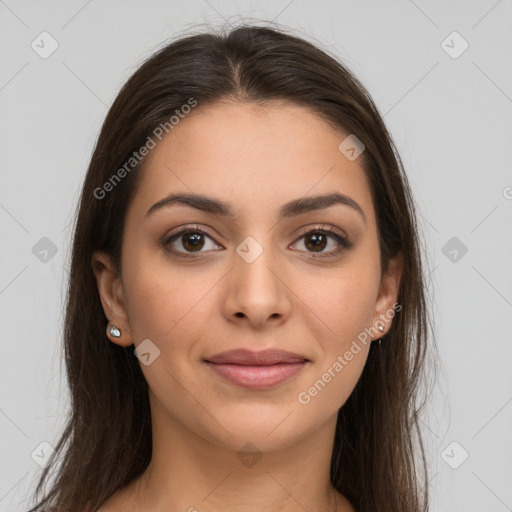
(164,302)
(327,391)
(340,305)
(339,315)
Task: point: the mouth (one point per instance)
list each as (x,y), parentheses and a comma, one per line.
(256,370)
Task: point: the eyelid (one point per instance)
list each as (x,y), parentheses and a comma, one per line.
(187,227)
(322,227)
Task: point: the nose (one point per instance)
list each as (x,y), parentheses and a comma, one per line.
(258,292)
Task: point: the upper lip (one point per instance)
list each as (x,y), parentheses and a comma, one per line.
(262,358)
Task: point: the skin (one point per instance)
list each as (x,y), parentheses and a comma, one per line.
(256,158)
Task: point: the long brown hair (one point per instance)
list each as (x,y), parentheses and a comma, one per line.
(107,439)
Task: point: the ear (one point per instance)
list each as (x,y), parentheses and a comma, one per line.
(110,288)
(388,294)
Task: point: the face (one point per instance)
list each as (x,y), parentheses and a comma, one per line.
(305,281)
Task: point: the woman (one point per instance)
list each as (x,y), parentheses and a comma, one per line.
(246,322)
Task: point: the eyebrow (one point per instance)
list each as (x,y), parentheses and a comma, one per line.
(290,209)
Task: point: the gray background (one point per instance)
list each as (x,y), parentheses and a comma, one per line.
(449,114)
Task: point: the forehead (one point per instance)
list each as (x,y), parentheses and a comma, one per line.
(249,154)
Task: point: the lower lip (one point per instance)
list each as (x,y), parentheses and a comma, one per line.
(257,377)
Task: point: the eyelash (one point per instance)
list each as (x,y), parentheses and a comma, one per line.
(344,243)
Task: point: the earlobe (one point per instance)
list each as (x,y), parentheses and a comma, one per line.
(110,291)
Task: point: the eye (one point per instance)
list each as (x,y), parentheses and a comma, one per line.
(317,239)
(191,239)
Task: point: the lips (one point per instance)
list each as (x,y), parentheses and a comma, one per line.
(256,370)
(263,358)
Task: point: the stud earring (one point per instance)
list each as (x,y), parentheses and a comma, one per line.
(381,329)
(114,331)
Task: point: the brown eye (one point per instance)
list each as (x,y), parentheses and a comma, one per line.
(317,240)
(190,240)
(194,239)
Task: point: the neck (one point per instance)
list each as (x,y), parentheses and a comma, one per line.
(191,473)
